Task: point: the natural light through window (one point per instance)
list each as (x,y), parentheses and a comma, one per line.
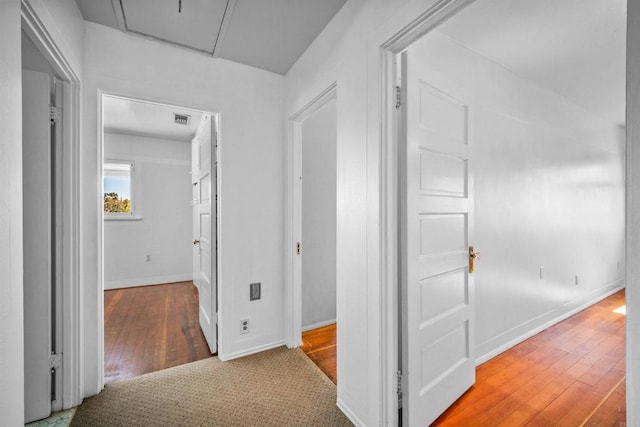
(117,188)
(621,310)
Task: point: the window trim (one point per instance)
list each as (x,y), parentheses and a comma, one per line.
(135,214)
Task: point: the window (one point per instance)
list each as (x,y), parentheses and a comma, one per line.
(118,189)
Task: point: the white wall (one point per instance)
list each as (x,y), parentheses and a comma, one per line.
(250,103)
(633,213)
(549,191)
(164,229)
(348,52)
(11,335)
(319,217)
(340,54)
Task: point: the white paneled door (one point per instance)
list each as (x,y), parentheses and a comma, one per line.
(203,175)
(435,222)
(38,262)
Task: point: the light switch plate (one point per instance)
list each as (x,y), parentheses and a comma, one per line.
(254,291)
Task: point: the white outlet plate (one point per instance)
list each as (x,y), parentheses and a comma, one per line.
(244,326)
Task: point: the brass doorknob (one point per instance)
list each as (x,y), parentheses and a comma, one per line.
(195,242)
(473,256)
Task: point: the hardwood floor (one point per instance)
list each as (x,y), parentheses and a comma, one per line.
(150,328)
(320,345)
(571,374)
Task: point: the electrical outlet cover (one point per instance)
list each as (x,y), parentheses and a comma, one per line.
(244,325)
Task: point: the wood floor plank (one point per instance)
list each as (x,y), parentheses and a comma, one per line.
(150,328)
(611,411)
(320,346)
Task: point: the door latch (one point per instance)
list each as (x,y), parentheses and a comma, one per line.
(473,256)
(298,248)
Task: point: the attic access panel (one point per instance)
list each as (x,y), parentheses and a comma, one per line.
(196,26)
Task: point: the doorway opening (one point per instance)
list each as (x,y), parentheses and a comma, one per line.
(50,144)
(314,145)
(534,150)
(318,237)
(159,192)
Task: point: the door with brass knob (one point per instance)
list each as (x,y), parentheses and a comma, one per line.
(436,225)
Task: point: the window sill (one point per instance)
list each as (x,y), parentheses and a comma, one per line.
(122,218)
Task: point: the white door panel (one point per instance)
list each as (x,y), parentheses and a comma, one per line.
(36,151)
(203,177)
(435,223)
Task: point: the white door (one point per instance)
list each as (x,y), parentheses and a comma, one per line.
(203,175)
(436,202)
(37,217)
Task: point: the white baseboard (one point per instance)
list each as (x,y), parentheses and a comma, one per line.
(349,413)
(524,331)
(318,325)
(249,351)
(144,281)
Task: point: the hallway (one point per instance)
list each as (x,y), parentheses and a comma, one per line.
(571,374)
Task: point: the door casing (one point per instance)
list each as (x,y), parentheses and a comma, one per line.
(412,22)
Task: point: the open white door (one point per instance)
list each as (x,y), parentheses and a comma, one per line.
(203,176)
(37,216)
(436,202)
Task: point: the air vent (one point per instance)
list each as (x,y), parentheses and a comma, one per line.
(181,119)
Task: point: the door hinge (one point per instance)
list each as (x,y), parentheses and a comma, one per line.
(217,318)
(55,361)
(398,97)
(399,383)
(54,114)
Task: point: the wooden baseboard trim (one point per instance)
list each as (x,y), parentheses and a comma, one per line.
(145,281)
(250,351)
(612,288)
(349,413)
(318,325)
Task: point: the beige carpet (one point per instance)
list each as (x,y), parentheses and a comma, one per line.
(279,387)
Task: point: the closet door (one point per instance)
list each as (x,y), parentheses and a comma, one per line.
(37,217)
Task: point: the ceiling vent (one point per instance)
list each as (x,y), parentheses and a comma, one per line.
(181,119)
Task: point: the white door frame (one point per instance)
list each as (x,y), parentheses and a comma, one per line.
(69,258)
(215,115)
(411,23)
(293,212)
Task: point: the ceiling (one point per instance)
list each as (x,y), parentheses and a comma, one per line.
(131,117)
(576,48)
(270,35)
